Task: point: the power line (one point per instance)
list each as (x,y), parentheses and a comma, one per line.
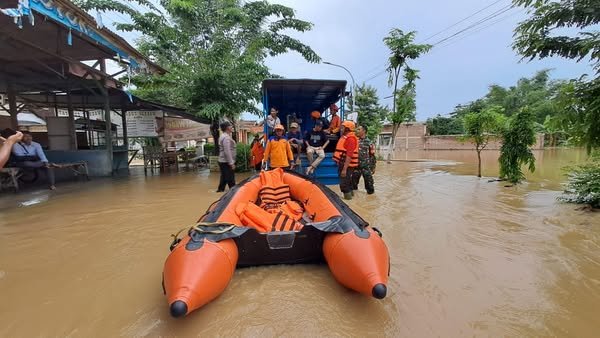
(453,41)
(477,23)
(487,18)
(463,20)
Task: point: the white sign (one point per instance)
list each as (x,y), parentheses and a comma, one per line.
(142,123)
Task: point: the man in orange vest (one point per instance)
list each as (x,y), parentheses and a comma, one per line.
(346,156)
(279,151)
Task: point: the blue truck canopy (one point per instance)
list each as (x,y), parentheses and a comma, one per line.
(301,97)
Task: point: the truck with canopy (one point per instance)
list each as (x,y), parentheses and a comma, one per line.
(295,99)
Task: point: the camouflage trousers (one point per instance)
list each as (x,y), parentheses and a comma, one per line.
(367,174)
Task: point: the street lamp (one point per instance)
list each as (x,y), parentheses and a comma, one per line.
(353,83)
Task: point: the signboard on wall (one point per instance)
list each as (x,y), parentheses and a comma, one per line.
(142,123)
(176,129)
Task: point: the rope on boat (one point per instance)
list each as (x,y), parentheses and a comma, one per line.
(200,227)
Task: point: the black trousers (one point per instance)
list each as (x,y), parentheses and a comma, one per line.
(346,182)
(38,166)
(227,176)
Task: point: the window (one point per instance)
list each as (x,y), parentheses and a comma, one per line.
(384,140)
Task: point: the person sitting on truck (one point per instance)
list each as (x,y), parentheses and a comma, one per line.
(294,137)
(316,116)
(316,140)
(272,121)
(334,126)
(279,151)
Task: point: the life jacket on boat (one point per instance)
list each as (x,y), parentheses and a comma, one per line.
(264,221)
(274,191)
(277,211)
(339,156)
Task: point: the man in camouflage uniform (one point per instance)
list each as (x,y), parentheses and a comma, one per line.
(366,161)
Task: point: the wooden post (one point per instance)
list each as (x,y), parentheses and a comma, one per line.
(108,129)
(12,103)
(124,123)
(72,131)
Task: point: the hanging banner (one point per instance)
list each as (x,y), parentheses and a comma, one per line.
(176,129)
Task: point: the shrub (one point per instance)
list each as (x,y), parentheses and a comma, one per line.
(583,186)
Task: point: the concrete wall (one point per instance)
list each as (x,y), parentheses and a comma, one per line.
(415,136)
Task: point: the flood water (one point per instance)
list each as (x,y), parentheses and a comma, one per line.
(469,258)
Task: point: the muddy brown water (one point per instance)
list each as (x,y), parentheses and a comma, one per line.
(469,258)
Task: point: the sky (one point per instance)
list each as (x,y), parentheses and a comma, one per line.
(460,70)
(351,32)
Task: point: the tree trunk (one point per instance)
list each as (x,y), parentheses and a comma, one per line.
(392,145)
(478,162)
(214,131)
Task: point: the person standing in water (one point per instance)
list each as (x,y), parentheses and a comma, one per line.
(226,157)
(346,156)
(366,161)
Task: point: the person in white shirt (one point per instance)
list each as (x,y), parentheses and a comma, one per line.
(29,155)
(272,121)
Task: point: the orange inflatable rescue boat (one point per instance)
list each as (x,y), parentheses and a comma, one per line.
(275,217)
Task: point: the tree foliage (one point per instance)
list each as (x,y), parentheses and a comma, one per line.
(567,29)
(480,127)
(370,113)
(440,125)
(546,32)
(517,138)
(402,49)
(214,51)
(583,185)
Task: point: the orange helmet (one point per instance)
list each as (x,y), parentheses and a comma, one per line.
(279,126)
(315,114)
(349,125)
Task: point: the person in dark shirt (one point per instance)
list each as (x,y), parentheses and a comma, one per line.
(316,140)
(316,118)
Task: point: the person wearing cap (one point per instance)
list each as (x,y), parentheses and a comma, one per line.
(272,121)
(294,137)
(316,141)
(334,125)
(278,151)
(316,116)
(226,157)
(346,156)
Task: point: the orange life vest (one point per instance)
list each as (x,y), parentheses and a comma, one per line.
(258,151)
(264,221)
(339,156)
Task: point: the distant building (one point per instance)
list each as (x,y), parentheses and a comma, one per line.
(415,136)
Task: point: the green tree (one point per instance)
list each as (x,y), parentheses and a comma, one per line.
(480,127)
(370,113)
(515,152)
(214,50)
(543,35)
(402,49)
(440,125)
